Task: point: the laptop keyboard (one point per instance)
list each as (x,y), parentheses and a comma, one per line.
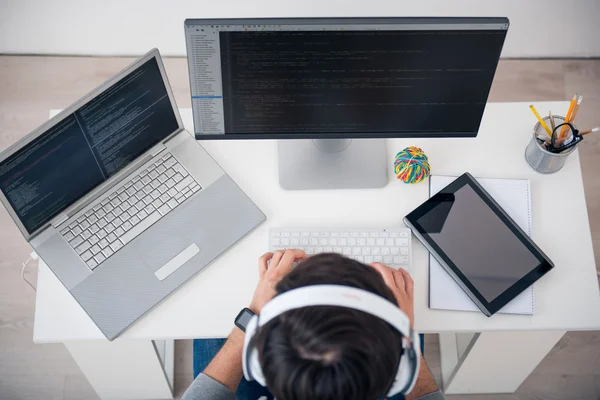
(387,246)
(130,210)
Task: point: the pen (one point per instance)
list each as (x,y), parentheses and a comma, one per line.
(568,116)
(540,120)
(552,121)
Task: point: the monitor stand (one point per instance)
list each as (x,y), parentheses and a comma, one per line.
(332,164)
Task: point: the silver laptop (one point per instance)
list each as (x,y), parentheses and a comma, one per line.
(119,200)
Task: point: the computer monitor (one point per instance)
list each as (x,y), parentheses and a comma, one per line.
(334,87)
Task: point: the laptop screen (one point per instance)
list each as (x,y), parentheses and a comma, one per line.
(87,147)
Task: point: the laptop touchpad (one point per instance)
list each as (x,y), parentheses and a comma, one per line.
(159,250)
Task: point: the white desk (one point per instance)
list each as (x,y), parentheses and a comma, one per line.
(504,349)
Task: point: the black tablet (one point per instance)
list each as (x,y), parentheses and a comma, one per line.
(478,244)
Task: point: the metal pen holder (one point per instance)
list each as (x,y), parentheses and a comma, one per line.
(540,159)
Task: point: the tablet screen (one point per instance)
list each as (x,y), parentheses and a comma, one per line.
(477,241)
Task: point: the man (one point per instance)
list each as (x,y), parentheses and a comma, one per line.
(321,353)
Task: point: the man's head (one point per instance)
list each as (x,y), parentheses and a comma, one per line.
(326,352)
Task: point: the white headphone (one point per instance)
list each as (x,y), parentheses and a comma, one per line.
(341,296)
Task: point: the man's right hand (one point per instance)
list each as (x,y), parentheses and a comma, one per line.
(402,285)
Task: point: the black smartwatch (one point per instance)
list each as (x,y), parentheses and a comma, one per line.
(242,319)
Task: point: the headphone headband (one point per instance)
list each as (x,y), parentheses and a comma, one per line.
(340,296)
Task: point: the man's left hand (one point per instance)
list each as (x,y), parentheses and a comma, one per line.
(272,267)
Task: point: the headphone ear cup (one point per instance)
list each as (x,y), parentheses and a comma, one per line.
(408,370)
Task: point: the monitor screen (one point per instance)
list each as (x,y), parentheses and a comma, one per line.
(341,77)
(88,146)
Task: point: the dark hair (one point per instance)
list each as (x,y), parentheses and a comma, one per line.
(325,352)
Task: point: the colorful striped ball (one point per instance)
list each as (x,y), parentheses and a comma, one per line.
(412,165)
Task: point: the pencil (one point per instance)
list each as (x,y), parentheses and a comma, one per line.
(540,120)
(596,129)
(568,116)
(552,121)
(575,109)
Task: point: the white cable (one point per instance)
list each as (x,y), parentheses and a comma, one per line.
(32,257)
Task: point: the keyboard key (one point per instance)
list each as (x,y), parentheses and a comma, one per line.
(99,258)
(86,235)
(110,217)
(119,231)
(374,234)
(385,251)
(347,251)
(361,241)
(172,203)
(162,178)
(377,259)
(323,242)
(275,241)
(143,214)
(404,250)
(356,251)
(360,259)
(127,226)
(164,197)
(163,188)
(84,225)
(107,252)
(170,182)
(404,234)
(157,203)
(172,192)
(164,209)
(94,239)
(103,243)
(384,234)
(116,245)
(354,234)
(195,188)
(380,242)
(161,169)
(368,259)
(400,260)
(141,227)
(102,223)
(352,242)
(337,250)
(122,197)
(304,241)
(395,251)
(87,255)
(389,242)
(101,213)
(182,184)
(387,259)
(314,241)
(318,250)
(366,251)
(95,249)
(94,228)
(375,251)
(401,242)
(92,263)
(343,241)
(153,174)
(69,235)
(83,247)
(170,162)
(394,234)
(134,220)
(285,241)
(111,237)
(370,242)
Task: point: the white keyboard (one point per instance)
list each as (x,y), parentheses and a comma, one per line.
(130,210)
(387,246)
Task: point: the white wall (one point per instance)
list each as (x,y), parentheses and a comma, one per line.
(539,28)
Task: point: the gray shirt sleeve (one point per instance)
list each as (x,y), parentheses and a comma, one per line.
(205,387)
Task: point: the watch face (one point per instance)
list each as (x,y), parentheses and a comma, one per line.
(244,318)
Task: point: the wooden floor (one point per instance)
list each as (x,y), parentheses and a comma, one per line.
(30,86)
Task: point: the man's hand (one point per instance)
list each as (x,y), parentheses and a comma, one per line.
(402,285)
(272,267)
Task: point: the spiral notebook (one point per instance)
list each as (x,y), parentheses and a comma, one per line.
(513,196)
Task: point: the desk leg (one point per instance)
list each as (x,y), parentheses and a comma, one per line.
(126,369)
(492,362)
